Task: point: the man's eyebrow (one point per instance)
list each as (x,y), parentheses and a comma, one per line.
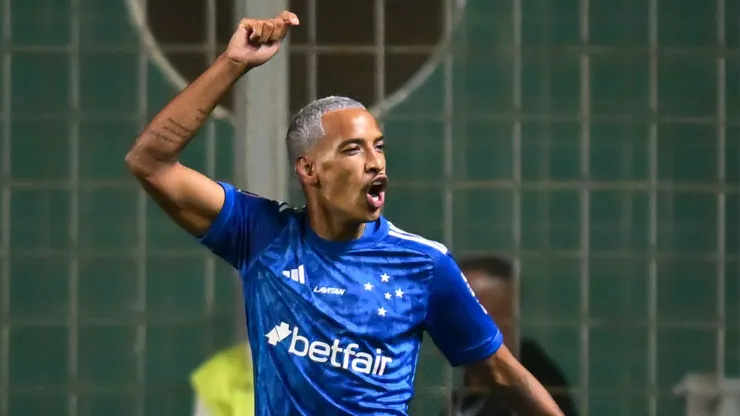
(354,140)
(358,141)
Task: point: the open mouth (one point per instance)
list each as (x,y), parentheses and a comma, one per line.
(376,192)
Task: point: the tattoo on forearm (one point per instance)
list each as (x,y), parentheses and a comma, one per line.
(163,136)
(178,129)
(174,132)
(163,140)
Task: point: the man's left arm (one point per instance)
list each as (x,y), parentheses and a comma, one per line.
(503,371)
(467,336)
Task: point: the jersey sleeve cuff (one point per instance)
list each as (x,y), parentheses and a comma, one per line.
(479,352)
(210,238)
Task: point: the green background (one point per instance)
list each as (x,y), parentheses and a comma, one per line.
(95,270)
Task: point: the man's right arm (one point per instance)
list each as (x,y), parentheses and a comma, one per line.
(191,199)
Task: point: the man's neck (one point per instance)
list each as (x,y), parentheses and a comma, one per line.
(332,228)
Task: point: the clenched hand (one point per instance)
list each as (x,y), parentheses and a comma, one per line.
(257,40)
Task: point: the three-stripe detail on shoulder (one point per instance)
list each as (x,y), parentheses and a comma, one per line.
(397,232)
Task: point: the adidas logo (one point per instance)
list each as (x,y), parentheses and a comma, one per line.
(296,275)
(278,334)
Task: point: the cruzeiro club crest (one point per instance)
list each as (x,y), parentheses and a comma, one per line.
(179,38)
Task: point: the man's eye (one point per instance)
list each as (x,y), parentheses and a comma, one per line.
(352,150)
(380,146)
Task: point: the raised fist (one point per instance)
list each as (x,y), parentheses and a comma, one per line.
(256,41)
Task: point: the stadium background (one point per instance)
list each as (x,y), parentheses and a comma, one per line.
(595,142)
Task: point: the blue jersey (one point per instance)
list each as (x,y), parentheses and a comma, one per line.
(336,327)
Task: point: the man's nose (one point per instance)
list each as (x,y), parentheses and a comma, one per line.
(375,162)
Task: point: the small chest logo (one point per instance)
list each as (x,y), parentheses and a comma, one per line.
(296,275)
(328,290)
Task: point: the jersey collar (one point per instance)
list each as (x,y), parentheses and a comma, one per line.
(374,232)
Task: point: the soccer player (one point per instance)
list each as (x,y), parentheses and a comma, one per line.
(336,297)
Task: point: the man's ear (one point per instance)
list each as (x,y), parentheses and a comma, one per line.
(305,170)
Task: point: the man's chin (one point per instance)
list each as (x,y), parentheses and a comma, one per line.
(372,214)
(373,217)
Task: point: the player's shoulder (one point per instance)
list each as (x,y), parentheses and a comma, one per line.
(415,243)
(278,207)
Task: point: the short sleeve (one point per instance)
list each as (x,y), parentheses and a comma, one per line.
(243,227)
(456,321)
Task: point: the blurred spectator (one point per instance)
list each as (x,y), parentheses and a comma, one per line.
(223,385)
(491,278)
